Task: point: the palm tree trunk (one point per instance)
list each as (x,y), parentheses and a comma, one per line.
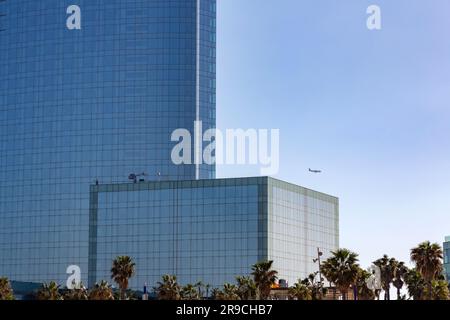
(122,293)
(398,294)
(430,290)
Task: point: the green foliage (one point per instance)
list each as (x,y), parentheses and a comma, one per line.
(341,269)
(168,288)
(415,283)
(429,263)
(202,289)
(6,292)
(391,270)
(229,293)
(247,289)
(317,289)
(49,291)
(101,291)
(440,290)
(122,270)
(76,293)
(264,278)
(400,271)
(190,292)
(363,291)
(300,291)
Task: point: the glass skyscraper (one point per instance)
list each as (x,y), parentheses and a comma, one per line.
(210,230)
(95,104)
(83,108)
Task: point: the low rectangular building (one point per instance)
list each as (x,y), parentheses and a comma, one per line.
(209,230)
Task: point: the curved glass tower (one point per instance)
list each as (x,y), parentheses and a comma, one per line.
(92,104)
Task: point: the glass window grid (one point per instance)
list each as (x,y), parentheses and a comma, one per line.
(211,230)
(80,106)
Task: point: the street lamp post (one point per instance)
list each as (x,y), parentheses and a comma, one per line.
(319,254)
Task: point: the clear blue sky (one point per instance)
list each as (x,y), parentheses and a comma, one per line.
(371,109)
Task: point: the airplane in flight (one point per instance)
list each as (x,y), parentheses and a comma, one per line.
(315,171)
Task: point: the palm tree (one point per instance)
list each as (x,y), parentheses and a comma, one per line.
(49,291)
(190,292)
(264,277)
(215,294)
(168,289)
(387,267)
(229,293)
(400,270)
(363,290)
(101,291)
(317,289)
(121,271)
(76,294)
(199,285)
(300,291)
(428,259)
(341,269)
(415,283)
(6,292)
(247,289)
(440,290)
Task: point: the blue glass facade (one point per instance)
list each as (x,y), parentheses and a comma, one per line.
(447,258)
(210,230)
(92,104)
